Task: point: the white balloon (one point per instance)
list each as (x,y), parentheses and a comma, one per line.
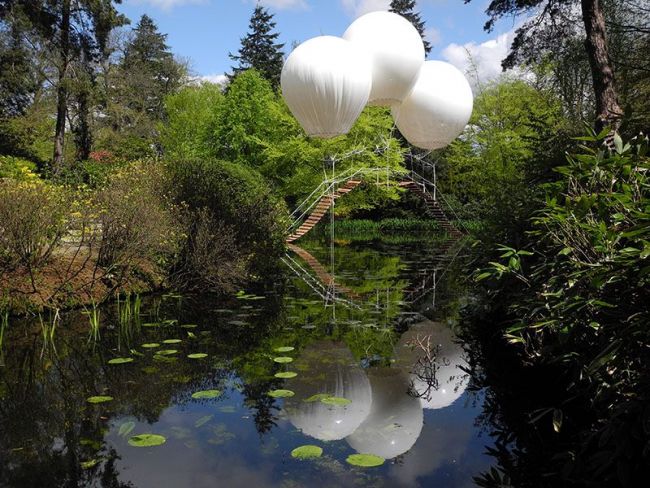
(437,109)
(326,82)
(396,52)
(450,380)
(395,419)
(328,367)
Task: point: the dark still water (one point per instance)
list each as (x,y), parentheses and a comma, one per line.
(362,336)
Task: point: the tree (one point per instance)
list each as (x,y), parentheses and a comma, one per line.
(553,23)
(259,49)
(137,86)
(69,30)
(405,9)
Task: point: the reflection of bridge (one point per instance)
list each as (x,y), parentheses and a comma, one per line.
(325,285)
(324,197)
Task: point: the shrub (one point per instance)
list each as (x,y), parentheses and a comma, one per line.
(33,219)
(239,198)
(137,219)
(17,168)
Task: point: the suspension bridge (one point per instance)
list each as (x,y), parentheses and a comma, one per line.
(323,199)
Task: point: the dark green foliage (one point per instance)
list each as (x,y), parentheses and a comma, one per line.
(405,9)
(579,302)
(259,49)
(240,199)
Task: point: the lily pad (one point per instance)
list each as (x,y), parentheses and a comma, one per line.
(317,397)
(126,428)
(198,355)
(283,359)
(90,463)
(307,452)
(286,374)
(150,345)
(203,420)
(172,341)
(99,399)
(284,349)
(120,360)
(365,460)
(281,393)
(336,401)
(167,352)
(189,326)
(147,440)
(199,395)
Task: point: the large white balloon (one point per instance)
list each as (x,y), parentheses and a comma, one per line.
(396,51)
(327,367)
(442,381)
(326,82)
(437,109)
(395,419)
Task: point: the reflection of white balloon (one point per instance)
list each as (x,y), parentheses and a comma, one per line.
(328,367)
(450,378)
(396,52)
(395,419)
(326,82)
(437,109)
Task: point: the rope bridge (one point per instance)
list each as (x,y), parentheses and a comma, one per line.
(323,198)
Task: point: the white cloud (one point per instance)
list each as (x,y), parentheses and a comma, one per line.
(168,5)
(357,8)
(216,78)
(283,4)
(480,62)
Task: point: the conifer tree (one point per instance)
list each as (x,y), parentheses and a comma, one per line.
(259,49)
(405,9)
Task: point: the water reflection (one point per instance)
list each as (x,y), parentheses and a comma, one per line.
(430,353)
(328,368)
(405,404)
(395,419)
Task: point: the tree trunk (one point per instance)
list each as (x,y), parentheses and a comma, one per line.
(608,110)
(62,90)
(83,136)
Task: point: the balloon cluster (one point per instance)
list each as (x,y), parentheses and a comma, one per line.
(327,81)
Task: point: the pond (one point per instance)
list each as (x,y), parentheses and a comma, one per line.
(352,351)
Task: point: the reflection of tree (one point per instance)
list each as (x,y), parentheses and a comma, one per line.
(264,406)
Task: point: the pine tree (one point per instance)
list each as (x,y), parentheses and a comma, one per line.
(405,9)
(259,49)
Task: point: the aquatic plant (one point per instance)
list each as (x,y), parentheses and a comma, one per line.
(307,452)
(365,460)
(93,320)
(48,330)
(206,394)
(147,440)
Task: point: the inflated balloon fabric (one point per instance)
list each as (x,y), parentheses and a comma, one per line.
(437,109)
(326,82)
(396,52)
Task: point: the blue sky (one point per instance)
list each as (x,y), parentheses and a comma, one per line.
(204,31)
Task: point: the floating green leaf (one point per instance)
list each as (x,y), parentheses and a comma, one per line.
(365,460)
(90,463)
(336,401)
(120,360)
(286,374)
(199,395)
(151,324)
(150,345)
(317,397)
(283,359)
(281,393)
(284,349)
(99,399)
(172,341)
(197,355)
(167,352)
(203,420)
(126,428)
(307,452)
(147,440)
(189,326)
